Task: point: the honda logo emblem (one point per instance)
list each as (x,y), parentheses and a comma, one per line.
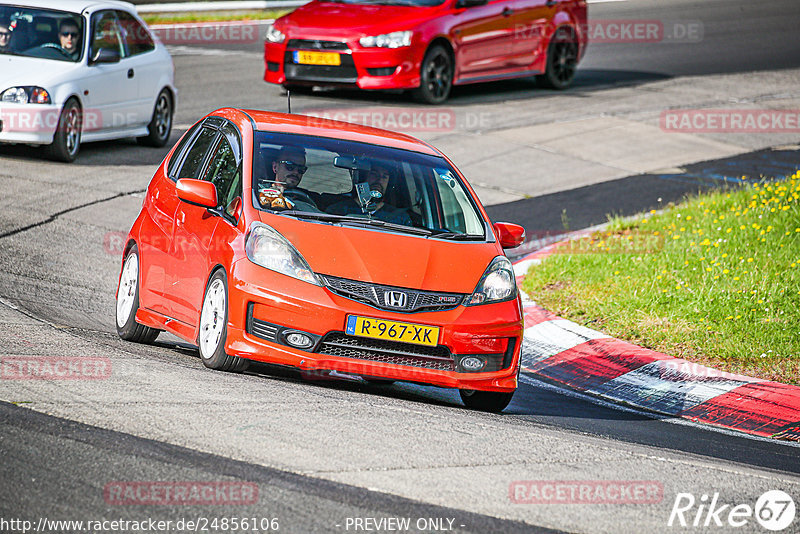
(395,299)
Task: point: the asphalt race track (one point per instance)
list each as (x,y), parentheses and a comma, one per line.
(340,456)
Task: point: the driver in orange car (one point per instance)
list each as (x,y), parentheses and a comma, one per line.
(283,192)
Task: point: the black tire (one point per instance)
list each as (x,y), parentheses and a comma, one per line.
(130,330)
(562,60)
(161,122)
(436,76)
(213,352)
(67,139)
(485,401)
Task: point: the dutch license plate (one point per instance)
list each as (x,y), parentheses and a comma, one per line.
(419,334)
(317,58)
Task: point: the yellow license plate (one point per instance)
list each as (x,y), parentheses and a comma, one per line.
(419,334)
(317,58)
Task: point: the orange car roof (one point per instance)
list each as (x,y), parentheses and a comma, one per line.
(269,121)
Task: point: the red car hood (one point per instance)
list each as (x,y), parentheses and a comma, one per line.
(387,258)
(325,20)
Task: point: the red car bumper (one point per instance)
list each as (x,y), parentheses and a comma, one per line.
(366,68)
(257,316)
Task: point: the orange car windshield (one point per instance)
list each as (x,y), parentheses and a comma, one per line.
(318,177)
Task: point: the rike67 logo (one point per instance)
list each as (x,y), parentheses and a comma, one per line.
(774,510)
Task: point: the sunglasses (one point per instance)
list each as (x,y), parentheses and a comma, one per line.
(74,35)
(5,34)
(291,166)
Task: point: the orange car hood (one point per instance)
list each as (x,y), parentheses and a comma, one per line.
(381,257)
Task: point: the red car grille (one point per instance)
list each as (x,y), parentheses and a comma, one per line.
(312,44)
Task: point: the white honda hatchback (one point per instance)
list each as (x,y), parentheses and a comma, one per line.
(73,71)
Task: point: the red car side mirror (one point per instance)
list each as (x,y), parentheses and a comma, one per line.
(509,235)
(197,192)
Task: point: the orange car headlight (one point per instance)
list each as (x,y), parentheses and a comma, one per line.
(497,283)
(268,248)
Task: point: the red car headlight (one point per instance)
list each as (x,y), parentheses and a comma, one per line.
(387,40)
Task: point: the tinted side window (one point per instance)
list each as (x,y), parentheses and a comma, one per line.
(176,156)
(223,172)
(137,37)
(197,153)
(106,33)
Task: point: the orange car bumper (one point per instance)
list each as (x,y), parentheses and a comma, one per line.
(492,332)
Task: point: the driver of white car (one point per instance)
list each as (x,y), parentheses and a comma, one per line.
(69,37)
(5,36)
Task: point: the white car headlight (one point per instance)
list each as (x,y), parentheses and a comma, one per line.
(387,40)
(274,36)
(26,94)
(267,248)
(497,283)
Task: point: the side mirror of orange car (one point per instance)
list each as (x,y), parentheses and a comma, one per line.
(234,209)
(509,235)
(197,192)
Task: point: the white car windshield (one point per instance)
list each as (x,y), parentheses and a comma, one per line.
(41,33)
(357,183)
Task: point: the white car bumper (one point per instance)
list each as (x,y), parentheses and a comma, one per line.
(28,123)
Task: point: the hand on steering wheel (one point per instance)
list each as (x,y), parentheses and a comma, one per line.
(57,47)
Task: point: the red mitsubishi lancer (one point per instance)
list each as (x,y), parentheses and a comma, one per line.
(426,46)
(324,246)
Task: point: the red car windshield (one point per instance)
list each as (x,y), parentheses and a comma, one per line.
(318,177)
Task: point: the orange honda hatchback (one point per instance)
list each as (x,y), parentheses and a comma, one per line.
(324,246)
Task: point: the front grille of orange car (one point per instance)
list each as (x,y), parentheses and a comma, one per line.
(392,352)
(376,296)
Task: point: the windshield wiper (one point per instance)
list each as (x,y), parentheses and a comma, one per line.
(455,236)
(357,220)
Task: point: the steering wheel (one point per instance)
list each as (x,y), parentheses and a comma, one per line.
(296,194)
(57,47)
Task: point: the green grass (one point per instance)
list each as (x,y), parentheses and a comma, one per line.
(714,280)
(216,16)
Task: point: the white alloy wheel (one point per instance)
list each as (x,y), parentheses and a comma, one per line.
(126,295)
(212,319)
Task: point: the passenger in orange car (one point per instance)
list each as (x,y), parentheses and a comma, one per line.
(283,192)
(378,178)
